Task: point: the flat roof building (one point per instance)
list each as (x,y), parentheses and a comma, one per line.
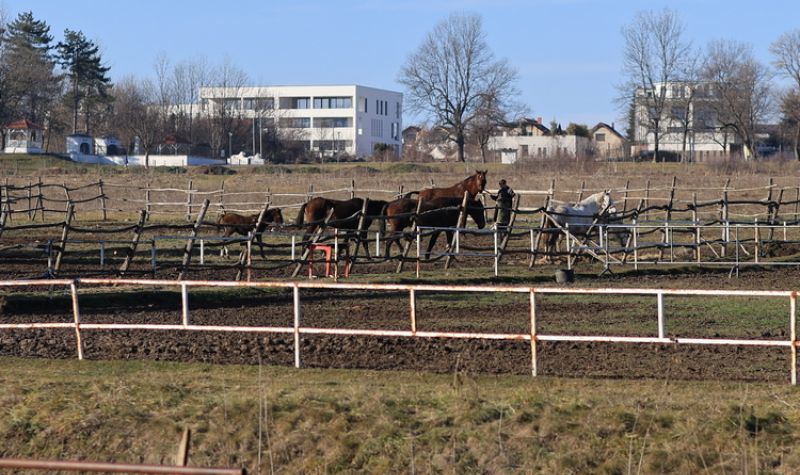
(325,120)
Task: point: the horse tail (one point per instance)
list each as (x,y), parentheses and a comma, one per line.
(383,218)
(301,215)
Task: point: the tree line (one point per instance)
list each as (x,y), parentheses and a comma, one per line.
(719,88)
(64,86)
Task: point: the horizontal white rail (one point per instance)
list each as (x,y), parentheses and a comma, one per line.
(297,329)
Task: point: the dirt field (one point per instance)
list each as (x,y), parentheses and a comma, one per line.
(451,312)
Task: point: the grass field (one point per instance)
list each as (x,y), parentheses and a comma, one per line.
(271,420)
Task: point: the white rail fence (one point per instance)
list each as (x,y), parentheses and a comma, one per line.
(297,329)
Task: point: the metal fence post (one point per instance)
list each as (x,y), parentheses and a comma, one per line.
(660,300)
(185,304)
(534,367)
(793,335)
(73,290)
(296,291)
(412,305)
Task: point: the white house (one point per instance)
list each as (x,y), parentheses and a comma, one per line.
(320,119)
(23,136)
(511,148)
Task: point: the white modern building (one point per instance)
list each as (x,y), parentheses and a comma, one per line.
(688,122)
(327,120)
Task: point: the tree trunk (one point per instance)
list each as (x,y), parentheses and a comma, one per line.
(655,142)
(460,143)
(796,147)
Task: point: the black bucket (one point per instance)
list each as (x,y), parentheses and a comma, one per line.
(565,276)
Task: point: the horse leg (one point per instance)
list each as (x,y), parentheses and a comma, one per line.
(431,243)
(261,246)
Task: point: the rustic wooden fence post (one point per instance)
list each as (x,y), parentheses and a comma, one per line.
(187,252)
(102,200)
(147,203)
(189,195)
(64,235)
(667,235)
(407,247)
(69,200)
(245,257)
(31,212)
(462,220)
(724,218)
(137,234)
(359,232)
(39,200)
(697,239)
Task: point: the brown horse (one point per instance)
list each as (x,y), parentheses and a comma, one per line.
(438,212)
(344,215)
(473,184)
(233,223)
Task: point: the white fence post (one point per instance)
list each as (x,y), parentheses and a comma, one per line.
(185,304)
(412,305)
(73,290)
(660,299)
(534,368)
(793,335)
(296,291)
(496,254)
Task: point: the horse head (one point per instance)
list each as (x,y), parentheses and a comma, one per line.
(477,182)
(607,203)
(277,216)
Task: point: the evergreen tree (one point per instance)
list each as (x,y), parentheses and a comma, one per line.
(32,84)
(90,85)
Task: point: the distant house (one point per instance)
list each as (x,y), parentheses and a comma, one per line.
(607,143)
(23,136)
(409,135)
(108,145)
(525,127)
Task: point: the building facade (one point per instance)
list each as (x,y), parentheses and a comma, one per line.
(688,122)
(324,120)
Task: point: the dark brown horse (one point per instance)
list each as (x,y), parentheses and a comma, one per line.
(344,216)
(233,223)
(473,184)
(438,212)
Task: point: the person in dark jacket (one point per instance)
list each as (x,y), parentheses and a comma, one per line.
(504,198)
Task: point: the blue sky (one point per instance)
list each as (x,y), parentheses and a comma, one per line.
(567,52)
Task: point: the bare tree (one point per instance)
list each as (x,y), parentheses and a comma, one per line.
(187,78)
(786,50)
(137,113)
(654,56)
(451,72)
(224,108)
(741,88)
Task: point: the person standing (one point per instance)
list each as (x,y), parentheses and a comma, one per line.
(504,198)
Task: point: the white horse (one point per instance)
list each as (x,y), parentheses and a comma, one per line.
(579,217)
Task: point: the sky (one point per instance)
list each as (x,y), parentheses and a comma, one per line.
(568,53)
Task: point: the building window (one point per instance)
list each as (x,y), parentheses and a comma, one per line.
(329,122)
(599,137)
(362,105)
(395,130)
(377,128)
(295,122)
(299,103)
(333,102)
(397,115)
(523,150)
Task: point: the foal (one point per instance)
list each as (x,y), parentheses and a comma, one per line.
(233,223)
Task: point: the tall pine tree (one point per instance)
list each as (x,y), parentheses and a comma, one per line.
(86,74)
(32,85)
